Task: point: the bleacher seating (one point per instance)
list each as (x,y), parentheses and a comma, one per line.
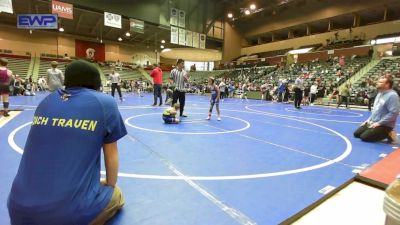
(388,35)
(273,53)
(387,65)
(18,65)
(125,73)
(342,44)
(45,65)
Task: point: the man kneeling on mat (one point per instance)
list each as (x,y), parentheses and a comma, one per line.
(381,123)
(169,115)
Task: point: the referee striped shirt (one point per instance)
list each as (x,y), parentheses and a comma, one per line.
(178,78)
(115,78)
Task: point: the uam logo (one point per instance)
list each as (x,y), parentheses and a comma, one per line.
(37,21)
(60,8)
(109,16)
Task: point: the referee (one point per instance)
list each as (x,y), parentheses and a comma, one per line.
(179,77)
(115,83)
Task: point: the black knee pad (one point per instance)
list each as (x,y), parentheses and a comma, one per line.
(5,105)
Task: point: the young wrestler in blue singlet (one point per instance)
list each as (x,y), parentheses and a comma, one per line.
(214,100)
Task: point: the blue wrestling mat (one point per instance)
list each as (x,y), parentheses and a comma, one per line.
(264,163)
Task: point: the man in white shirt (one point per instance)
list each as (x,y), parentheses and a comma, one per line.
(55,77)
(264,91)
(222,89)
(313,92)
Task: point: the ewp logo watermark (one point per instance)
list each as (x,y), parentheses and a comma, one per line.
(37,21)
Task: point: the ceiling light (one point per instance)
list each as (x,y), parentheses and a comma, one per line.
(230,15)
(30,31)
(61,29)
(162,46)
(101,40)
(388,40)
(253,6)
(247,12)
(300,51)
(127,34)
(119,39)
(166,50)
(163,41)
(389,53)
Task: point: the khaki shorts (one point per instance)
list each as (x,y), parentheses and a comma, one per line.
(116,203)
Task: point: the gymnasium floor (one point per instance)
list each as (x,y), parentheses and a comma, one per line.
(262,164)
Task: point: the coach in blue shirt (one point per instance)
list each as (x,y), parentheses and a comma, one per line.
(380,125)
(58,180)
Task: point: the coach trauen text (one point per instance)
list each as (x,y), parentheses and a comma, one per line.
(89,125)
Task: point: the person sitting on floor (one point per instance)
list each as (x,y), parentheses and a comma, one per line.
(169,115)
(380,125)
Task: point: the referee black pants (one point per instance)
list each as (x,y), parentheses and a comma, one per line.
(181,96)
(116,86)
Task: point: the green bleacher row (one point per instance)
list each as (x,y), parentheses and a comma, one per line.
(390,65)
(21,67)
(25,67)
(198,76)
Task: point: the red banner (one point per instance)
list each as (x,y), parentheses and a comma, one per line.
(62,9)
(90,50)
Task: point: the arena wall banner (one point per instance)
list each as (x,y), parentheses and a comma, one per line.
(91,51)
(189,38)
(62,9)
(6,6)
(112,20)
(174,35)
(202,41)
(181,18)
(182,36)
(136,26)
(173,17)
(196,38)
(37,21)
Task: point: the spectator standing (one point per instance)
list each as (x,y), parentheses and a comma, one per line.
(371,93)
(298,92)
(344,96)
(157,75)
(55,77)
(313,92)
